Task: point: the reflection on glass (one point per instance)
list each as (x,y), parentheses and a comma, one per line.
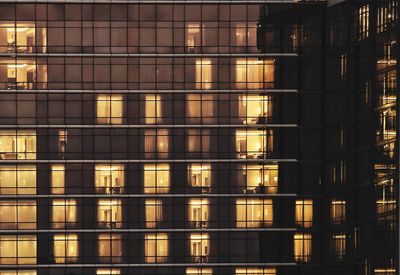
(109,178)
(252,213)
(156,248)
(156,178)
(20,144)
(18,249)
(19,214)
(19,179)
(198,213)
(64,213)
(109,213)
(66,248)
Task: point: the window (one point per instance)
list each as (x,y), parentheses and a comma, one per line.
(302,247)
(64,213)
(338,211)
(198,213)
(17,249)
(25,75)
(108,271)
(156,248)
(18,214)
(259,179)
(304,213)
(18,272)
(254,213)
(156,178)
(200,108)
(66,249)
(20,144)
(153,109)
(62,142)
(198,142)
(57,179)
(339,246)
(245,35)
(363,22)
(203,74)
(156,143)
(194,37)
(387,15)
(109,178)
(253,143)
(254,74)
(109,213)
(110,248)
(343,66)
(154,213)
(255,109)
(109,109)
(22,38)
(385,271)
(255,271)
(199,271)
(17,179)
(200,176)
(199,247)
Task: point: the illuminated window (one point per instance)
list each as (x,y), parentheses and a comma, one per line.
(254,74)
(363,22)
(259,178)
(194,37)
(200,175)
(22,38)
(385,209)
(254,143)
(109,109)
(198,212)
(387,15)
(255,109)
(19,144)
(343,66)
(110,248)
(154,213)
(199,247)
(66,249)
(19,179)
(385,271)
(255,271)
(153,109)
(26,76)
(64,213)
(304,213)
(245,35)
(200,108)
(19,214)
(199,271)
(19,272)
(254,213)
(109,178)
(108,271)
(198,141)
(156,143)
(156,248)
(156,178)
(62,142)
(57,179)
(17,249)
(338,211)
(339,246)
(302,247)
(109,213)
(203,74)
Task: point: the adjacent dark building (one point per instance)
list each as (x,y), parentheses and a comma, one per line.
(199,137)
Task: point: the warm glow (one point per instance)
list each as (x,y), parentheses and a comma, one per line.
(156,178)
(19,179)
(109,178)
(156,143)
(254,213)
(200,108)
(199,246)
(253,143)
(260,178)
(109,213)
(255,271)
(193,37)
(154,213)
(66,249)
(19,214)
(108,271)
(304,213)
(19,144)
(17,249)
(302,247)
(110,248)
(199,271)
(152,109)
(338,211)
(64,213)
(254,74)
(57,179)
(200,175)
(109,109)
(198,212)
(203,74)
(255,109)
(156,248)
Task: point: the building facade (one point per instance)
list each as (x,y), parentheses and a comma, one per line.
(198,137)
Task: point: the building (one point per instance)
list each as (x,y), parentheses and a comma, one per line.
(192,137)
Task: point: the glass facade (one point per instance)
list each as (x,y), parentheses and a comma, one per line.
(196,138)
